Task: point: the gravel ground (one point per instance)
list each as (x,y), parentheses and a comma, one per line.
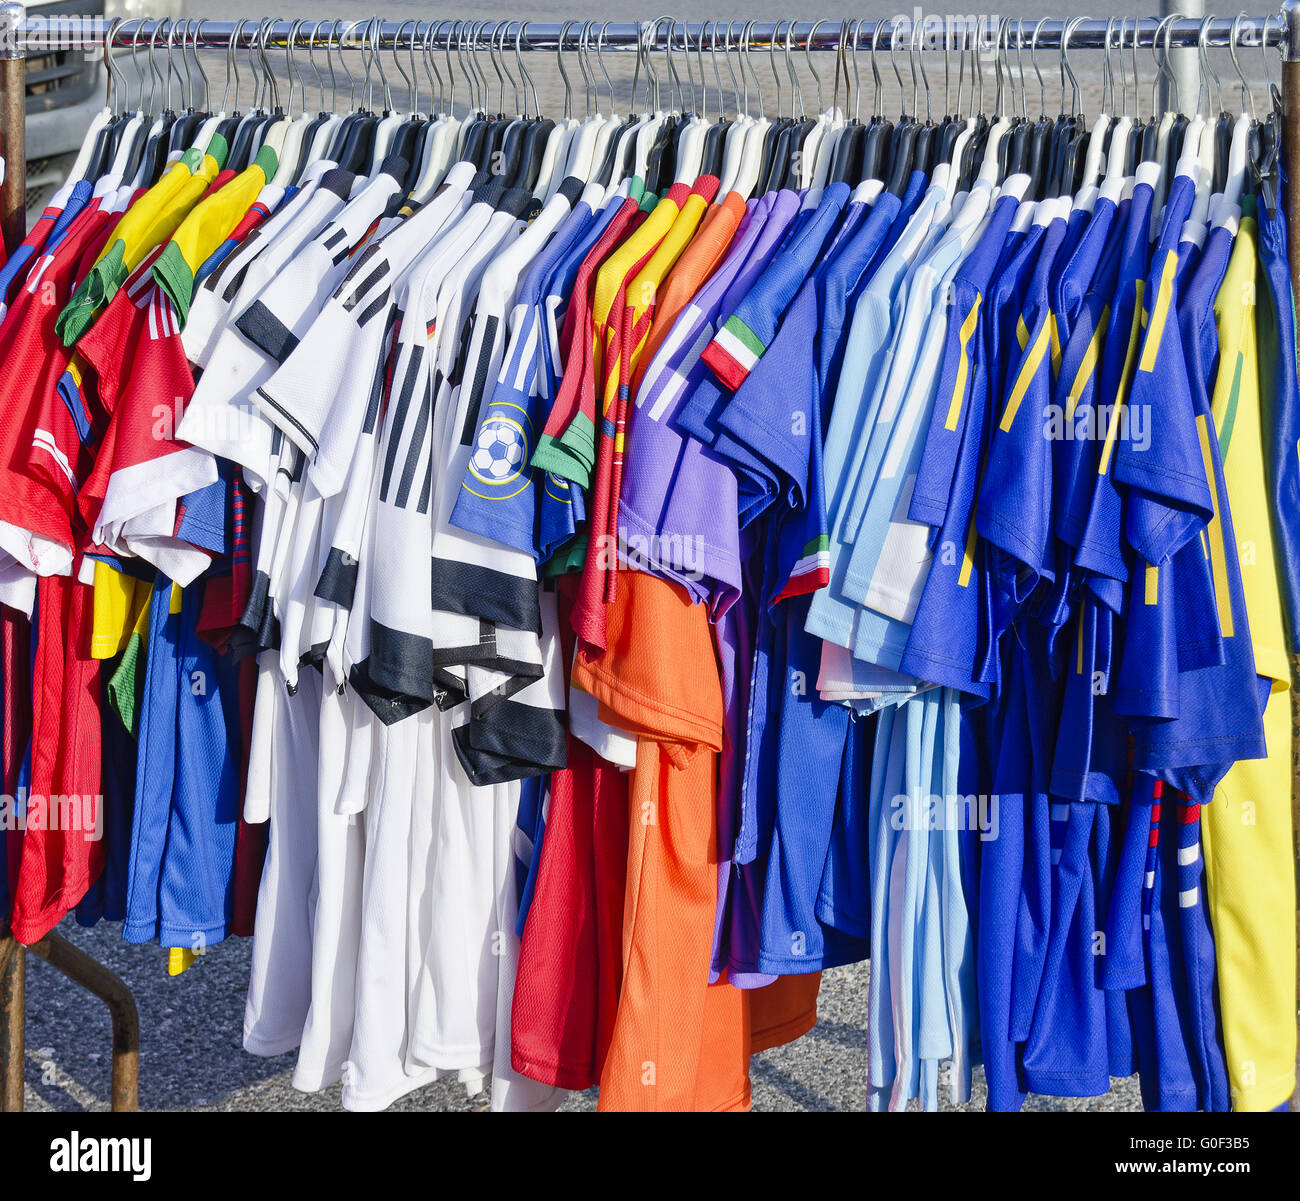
(191,1056)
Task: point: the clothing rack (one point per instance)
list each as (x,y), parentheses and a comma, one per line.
(21,35)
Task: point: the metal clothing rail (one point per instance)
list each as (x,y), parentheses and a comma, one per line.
(21,35)
(935,32)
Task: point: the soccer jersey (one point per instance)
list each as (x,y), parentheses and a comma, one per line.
(1249,885)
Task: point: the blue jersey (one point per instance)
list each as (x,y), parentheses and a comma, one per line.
(946,635)
(1280,394)
(187,784)
(1208,715)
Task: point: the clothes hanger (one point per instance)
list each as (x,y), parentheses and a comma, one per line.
(991,169)
(242,148)
(537,132)
(607,133)
(1014,150)
(820,139)
(355,139)
(661,144)
(314,133)
(556,157)
(733,142)
(1117,153)
(1266,142)
(91,152)
(292,147)
(1235,174)
(386,127)
(444,135)
(716,131)
(132,139)
(847,161)
(582,162)
(759,152)
(1222,135)
(904,143)
(272,132)
(332,134)
(692,136)
(790,161)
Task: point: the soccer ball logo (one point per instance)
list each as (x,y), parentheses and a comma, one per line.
(500,451)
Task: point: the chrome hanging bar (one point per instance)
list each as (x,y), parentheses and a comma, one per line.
(933,31)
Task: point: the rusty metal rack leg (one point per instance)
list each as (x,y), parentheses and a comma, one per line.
(13,981)
(13,98)
(95,978)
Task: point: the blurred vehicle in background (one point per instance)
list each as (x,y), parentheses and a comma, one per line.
(65,88)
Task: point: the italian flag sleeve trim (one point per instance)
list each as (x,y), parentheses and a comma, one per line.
(732,354)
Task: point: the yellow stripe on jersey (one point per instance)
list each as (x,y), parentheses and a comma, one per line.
(1218,557)
(1151,586)
(968,555)
(1028,369)
(1089,363)
(1161,313)
(1121,391)
(963,365)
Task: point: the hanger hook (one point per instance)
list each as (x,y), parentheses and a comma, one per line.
(1123,73)
(1247,96)
(154,77)
(857,80)
(431,72)
(893,62)
(911,67)
(690,71)
(604,67)
(412,93)
(111,72)
(186,27)
(1038,70)
(877,101)
(961,64)
(288,65)
(807,54)
(564,74)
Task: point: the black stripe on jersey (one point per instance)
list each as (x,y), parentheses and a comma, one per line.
(426,487)
(338,579)
(475,590)
(400,662)
(397,419)
(290,418)
(389,707)
(236,262)
(470,427)
(415,452)
(366,286)
(457,372)
(266,331)
(371,420)
(332,242)
(518,741)
(374,308)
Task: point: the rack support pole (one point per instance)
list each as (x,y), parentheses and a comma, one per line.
(1291,203)
(13,1009)
(13,119)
